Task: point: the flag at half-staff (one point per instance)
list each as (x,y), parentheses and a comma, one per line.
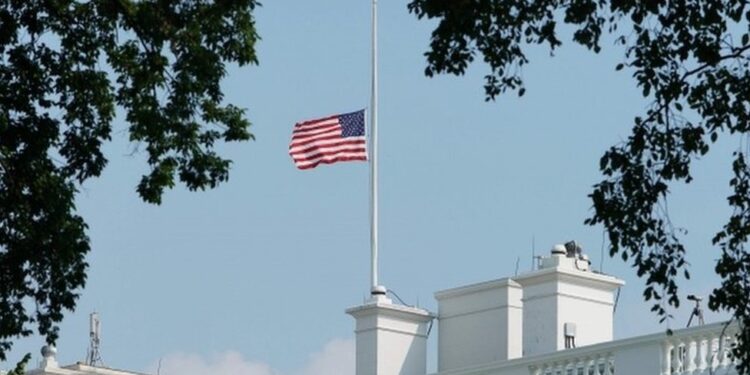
(342,138)
(329,140)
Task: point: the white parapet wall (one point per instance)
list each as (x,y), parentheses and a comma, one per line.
(479,323)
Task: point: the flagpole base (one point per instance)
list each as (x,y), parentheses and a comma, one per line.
(378,290)
(378,294)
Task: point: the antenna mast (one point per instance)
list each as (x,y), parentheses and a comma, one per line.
(93,357)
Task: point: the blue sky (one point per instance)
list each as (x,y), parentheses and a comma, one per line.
(256,274)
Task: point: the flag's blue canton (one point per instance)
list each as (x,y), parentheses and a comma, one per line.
(352,124)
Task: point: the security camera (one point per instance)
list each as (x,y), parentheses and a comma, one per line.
(697,311)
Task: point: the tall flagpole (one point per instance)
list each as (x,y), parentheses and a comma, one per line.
(375,288)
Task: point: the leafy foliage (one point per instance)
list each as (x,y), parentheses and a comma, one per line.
(692,59)
(20,368)
(65,65)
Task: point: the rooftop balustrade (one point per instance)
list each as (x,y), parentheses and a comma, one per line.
(698,350)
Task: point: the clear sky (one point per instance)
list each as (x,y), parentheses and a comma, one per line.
(253,278)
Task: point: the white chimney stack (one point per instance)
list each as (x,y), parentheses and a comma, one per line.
(479,323)
(390,339)
(565,304)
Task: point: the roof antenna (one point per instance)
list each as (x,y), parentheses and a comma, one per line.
(536,260)
(533,252)
(601,260)
(93,357)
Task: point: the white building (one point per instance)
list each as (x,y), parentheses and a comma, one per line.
(556,320)
(49,366)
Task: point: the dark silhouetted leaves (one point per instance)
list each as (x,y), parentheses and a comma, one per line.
(692,59)
(64,67)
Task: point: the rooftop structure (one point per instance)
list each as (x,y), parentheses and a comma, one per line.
(49,366)
(554,320)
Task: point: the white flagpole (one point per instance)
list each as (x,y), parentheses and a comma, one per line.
(375,287)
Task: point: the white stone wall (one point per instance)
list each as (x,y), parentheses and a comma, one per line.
(479,323)
(524,315)
(390,339)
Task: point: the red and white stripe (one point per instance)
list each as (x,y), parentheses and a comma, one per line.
(320,142)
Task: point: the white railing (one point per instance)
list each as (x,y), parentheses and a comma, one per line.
(699,350)
(598,364)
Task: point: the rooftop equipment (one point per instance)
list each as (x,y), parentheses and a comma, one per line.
(93,356)
(697,310)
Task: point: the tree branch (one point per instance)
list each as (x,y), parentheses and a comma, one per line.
(738,53)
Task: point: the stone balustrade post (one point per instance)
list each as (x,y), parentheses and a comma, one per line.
(666,364)
(691,351)
(703,342)
(725,346)
(713,352)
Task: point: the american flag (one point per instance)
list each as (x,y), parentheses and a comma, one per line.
(329,140)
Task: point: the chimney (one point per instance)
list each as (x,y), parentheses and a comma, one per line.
(49,361)
(565,304)
(390,339)
(479,323)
